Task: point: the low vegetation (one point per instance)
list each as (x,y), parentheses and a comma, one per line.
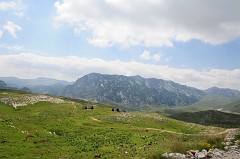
(210,117)
(64,130)
(220,103)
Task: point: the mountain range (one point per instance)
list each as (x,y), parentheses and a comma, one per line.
(136,91)
(127,91)
(4,86)
(39,85)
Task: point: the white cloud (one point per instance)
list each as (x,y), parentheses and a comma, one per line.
(29,65)
(12,28)
(15,6)
(79,29)
(12,47)
(152,22)
(1,33)
(6,5)
(156,57)
(146,55)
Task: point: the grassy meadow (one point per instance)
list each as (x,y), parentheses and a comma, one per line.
(64,130)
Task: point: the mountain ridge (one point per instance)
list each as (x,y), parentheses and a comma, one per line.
(32,82)
(40,85)
(135,90)
(226,92)
(129,91)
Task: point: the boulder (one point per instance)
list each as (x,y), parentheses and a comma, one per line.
(201,155)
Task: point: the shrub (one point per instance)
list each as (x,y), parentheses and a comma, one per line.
(205,146)
(179,147)
(216,141)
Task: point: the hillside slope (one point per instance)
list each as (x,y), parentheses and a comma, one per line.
(230,105)
(46,129)
(210,117)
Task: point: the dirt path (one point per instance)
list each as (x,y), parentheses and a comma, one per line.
(95,119)
(227,131)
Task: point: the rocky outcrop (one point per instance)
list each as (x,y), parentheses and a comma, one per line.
(233,153)
(231,150)
(29,99)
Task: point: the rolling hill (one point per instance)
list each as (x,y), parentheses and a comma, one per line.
(42,126)
(210,117)
(224,104)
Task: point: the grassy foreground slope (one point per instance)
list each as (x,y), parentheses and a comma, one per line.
(64,130)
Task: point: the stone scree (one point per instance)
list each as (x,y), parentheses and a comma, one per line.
(25,100)
(231,151)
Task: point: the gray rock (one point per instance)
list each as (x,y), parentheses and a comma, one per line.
(170,154)
(201,155)
(234,147)
(204,151)
(165,155)
(189,153)
(210,154)
(194,152)
(226,147)
(227,143)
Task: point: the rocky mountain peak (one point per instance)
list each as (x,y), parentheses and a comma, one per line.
(132,90)
(226,92)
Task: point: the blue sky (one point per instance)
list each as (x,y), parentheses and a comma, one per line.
(189,42)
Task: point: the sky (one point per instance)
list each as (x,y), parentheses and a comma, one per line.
(194,43)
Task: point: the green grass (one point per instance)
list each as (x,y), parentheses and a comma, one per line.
(210,117)
(207,103)
(47,130)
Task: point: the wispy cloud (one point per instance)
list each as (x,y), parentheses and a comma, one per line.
(12,47)
(151,22)
(146,55)
(15,6)
(1,33)
(29,65)
(7,5)
(12,28)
